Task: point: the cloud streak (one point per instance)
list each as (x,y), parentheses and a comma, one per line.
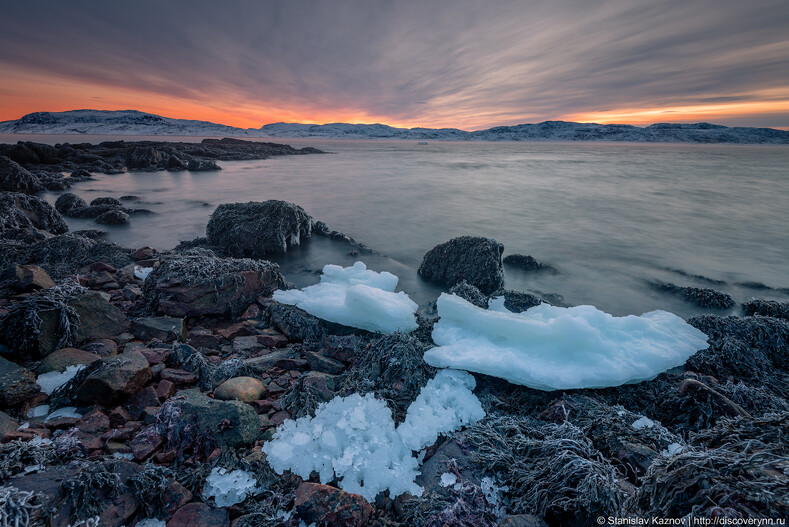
(461,63)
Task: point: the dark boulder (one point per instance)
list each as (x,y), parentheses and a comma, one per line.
(120,376)
(522,261)
(80,175)
(518,301)
(188,286)
(469,293)
(144,158)
(17,384)
(113,217)
(258,229)
(766,308)
(14,178)
(106,200)
(474,259)
(317,503)
(702,297)
(20,211)
(202,165)
(68,202)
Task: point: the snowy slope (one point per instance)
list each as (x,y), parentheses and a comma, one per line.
(131,122)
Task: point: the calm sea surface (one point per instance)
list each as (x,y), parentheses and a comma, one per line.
(609,217)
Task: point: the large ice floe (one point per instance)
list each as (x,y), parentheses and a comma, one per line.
(355,440)
(555,348)
(356,297)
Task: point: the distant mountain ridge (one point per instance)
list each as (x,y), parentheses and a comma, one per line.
(132,122)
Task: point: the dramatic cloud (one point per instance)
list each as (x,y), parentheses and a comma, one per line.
(462,63)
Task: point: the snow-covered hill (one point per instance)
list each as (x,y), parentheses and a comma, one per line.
(131,122)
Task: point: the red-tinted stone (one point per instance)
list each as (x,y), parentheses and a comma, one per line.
(155,355)
(280,417)
(327,505)
(199,515)
(273,341)
(178,377)
(145,443)
(165,389)
(252,312)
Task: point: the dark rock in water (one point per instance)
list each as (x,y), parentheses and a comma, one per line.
(53,181)
(68,202)
(474,259)
(518,301)
(766,308)
(20,211)
(91,211)
(470,294)
(322,504)
(144,157)
(258,229)
(14,178)
(113,217)
(702,297)
(93,234)
(525,262)
(130,197)
(106,200)
(201,165)
(184,286)
(230,424)
(17,385)
(121,376)
(80,175)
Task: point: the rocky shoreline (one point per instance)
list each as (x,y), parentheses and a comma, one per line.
(132,381)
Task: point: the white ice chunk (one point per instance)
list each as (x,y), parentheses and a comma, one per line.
(229,487)
(448,479)
(40,441)
(356,297)
(492,493)
(53,380)
(38,411)
(555,348)
(123,455)
(66,411)
(672,449)
(643,422)
(142,272)
(444,405)
(352,438)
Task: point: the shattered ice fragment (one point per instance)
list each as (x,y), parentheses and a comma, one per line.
(229,487)
(142,272)
(643,422)
(53,380)
(448,479)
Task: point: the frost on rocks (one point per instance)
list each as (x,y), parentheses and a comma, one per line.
(229,487)
(444,405)
(356,297)
(142,272)
(555,348)
(492,493)
(151,522)
(53,380)
(643,422)
(354,438)
(672,450)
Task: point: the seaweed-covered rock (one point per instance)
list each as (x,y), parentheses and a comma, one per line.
(393,368)
(66,254)
(258,229)
(68,202)
(518,301)
(230,424)
(187,286)
(112,217)
(766,308)
(474,259)
(469,293)
(20,211)
(522,261)
(17,384)
(702,297)
(106,200)
(14,178)
(202,165)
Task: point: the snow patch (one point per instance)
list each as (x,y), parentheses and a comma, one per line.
(38,411)
(555,348)
(229,487)
(66,411)
(448,479)
(53,380)
(356,297)
(444,405)
(142,272)
(354,438)
(643,422)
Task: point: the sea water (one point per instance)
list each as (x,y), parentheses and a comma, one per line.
(610,217)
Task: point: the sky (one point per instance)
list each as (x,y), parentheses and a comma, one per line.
(435,63)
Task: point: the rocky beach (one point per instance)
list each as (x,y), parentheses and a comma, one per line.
(160,387)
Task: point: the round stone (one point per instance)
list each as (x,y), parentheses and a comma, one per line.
(245,389)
